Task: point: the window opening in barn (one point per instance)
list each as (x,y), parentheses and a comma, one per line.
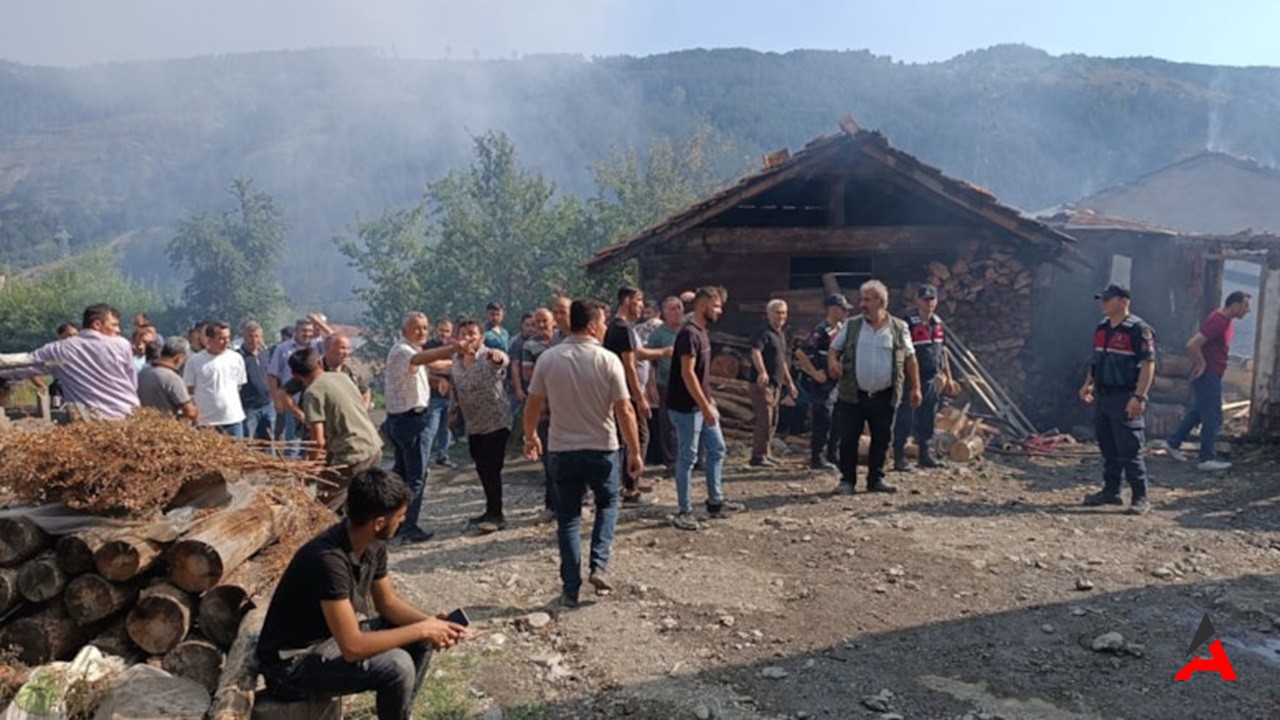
(1122,271)
(807,272)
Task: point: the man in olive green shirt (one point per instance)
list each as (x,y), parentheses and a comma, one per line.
(341,431)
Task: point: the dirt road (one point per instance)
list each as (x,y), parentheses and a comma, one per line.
(976,592)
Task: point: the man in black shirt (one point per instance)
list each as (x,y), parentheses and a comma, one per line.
(255,393)
(336,626)
(812,361)
(693,412)
(770,379)
(620,338)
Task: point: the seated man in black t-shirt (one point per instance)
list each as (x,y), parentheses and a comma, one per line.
(335,626)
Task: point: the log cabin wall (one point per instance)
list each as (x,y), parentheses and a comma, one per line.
(985,284)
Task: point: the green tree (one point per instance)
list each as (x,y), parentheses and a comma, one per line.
(233,259)
(31,308)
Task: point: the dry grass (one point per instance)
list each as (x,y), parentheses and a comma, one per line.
(131,467)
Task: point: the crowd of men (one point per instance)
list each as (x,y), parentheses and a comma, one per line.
(592,387)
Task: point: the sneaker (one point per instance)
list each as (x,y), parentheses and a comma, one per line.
(1213,466)
(600,581)
(444,462)
(1169,450)
(882,487)
(568,600)
(900,465)
(762,462)
(844,488)
(724,509)
(820,465)
(685,521)
(1141,506)
(1102,498)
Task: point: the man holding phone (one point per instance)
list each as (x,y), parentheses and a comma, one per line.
(336,626)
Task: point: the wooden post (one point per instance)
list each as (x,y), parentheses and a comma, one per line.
(39,579)
(9,595)
(92,597)
(43,637)
(160,619)
(233,700)
(195,659)
(20,539)
(126,557)
(224,606)
(218,544)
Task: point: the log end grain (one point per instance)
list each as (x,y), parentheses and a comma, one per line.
(197,660)
(195,566)
(20,539)
(92,597)
(160,619)
(221,609)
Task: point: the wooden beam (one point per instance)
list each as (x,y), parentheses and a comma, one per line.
(835,203)
(792,240)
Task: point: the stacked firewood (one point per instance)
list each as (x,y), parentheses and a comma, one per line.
(152,568)
(985,296)
(733,400)
(1169,394)
(145,591)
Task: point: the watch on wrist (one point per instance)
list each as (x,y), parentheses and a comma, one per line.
(1139,398)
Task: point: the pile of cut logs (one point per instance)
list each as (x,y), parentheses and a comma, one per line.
(733,400)
(985,296)
(150,591)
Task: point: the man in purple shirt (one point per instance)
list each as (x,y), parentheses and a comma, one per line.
(94,368)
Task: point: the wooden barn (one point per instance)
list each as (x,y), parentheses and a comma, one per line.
(850,207)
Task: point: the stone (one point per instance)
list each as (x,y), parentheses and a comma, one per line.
(773,672)
(669,623)
(701,712)
(727,620)
(1078,612)
(1108,642)
(1161,572)
(1047,629)
(1084,584)
(147,692)
(537,620)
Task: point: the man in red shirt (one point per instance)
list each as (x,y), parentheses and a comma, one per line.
(1208,350)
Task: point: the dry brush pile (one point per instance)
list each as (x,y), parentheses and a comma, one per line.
(172,588)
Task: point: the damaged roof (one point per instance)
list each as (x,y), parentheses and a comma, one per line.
(781,167)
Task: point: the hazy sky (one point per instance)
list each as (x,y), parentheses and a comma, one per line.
(78,32)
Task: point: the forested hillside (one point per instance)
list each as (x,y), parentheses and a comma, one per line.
(338,136)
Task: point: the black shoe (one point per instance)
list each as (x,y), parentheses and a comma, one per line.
(724,509)
(444,462)
(762,462)
(1140,506)
(900,465)
(929,461)
(882,487)
(415,535)
(1103,498)
(599,579)
(637,500)
(821,465)
(568,600)
(486,524)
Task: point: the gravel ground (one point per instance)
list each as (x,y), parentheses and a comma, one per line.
(975,592)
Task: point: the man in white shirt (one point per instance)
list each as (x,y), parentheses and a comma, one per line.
(872,360)
(213,377)
(409,424)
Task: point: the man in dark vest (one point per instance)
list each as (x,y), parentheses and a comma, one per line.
(928,339)
(1120,376)
(871,358)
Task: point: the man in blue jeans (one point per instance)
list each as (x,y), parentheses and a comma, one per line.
(336,625)
(586,389)
(692,413)
(1208,350)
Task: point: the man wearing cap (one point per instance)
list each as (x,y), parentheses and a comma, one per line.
(811,358)
(1120,376)
(928,338)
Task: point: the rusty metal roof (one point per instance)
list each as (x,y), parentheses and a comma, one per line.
(870,144)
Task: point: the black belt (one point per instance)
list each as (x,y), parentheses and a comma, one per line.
(414,411)
(1117,391)
(877,393)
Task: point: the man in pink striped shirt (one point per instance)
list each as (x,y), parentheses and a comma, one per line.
(94,368)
